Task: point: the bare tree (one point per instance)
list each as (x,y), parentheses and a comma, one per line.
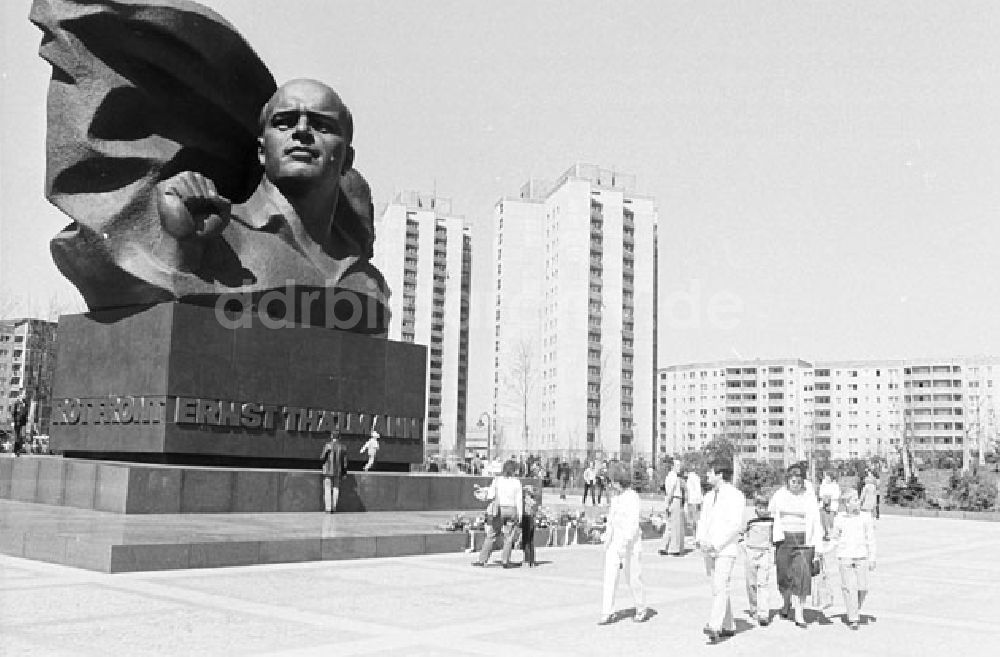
(608,402)
(10,306)
(520,381)
(57,305)
(47,308)
(904,438)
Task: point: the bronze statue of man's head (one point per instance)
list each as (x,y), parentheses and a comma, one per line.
(305,135)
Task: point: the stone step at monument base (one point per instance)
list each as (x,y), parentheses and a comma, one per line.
(115,543)
(119,543)
(142,488)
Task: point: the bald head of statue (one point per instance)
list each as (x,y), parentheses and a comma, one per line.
(305,137)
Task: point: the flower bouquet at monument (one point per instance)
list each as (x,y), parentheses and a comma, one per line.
(592,530)
(657,520)
(545,518)
(457,523)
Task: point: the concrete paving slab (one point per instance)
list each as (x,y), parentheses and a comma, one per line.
(932,593)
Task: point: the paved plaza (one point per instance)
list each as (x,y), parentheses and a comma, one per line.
(935,593)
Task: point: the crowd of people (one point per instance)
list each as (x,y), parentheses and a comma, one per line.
(795,536)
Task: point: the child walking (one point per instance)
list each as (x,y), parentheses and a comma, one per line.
(854,533)
(757,543)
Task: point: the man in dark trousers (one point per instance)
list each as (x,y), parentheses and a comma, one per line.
(334,469)
(20,415)
(562,473)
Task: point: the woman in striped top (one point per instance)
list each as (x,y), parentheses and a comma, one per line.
(797,532)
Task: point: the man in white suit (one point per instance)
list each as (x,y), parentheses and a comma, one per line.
(718,530)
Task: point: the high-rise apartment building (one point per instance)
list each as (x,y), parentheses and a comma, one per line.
(425,254)
(833,409)
(573,367)
(27,361)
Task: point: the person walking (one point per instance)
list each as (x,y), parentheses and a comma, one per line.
(829,490)
(508,503)
(759,549)
(589,477)
(562,473)
(20,416)
(718,532)
(693,499)
(530,508)
(334,469)
(829,505)
(797,533)
(601,480)
(854,534)
(869,496)
(829,500)
(623,549)
(673,491)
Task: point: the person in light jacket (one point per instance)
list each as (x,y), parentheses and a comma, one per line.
(719,530)
(694,497)
(623,545)
(589,481)
(508,504)
(798,531)
(869,496)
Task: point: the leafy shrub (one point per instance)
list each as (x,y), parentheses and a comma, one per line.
(905,493)
(971,491)
(759,476)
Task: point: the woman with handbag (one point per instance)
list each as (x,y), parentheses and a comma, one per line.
(797,532)
(507,502)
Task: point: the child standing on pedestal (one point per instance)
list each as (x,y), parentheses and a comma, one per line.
(371,448)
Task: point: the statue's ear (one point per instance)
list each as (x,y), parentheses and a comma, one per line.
(348,160)
(260,150)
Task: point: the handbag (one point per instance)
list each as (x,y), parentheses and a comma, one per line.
(816,567)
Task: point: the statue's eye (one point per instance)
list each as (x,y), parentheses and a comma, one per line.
(323,125)
(283,121)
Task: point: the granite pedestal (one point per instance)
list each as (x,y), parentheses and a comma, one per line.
(181,384)
(121,517)
(140,488)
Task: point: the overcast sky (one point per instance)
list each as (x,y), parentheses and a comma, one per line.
(832,168)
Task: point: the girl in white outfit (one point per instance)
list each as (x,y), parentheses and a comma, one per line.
(854,533)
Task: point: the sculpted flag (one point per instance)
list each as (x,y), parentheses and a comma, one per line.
(141,91)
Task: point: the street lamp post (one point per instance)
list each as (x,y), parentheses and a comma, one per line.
(489,432)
